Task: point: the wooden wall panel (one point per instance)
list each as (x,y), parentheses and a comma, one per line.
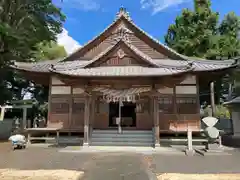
(101,121)
(178,123)
(189,80)
(165,90)
(186,89)
(144,121)
(58,121)
(56,81)
(61,90)
(78,107)
(101,118)
(187,104)
(125,61)
(59,114)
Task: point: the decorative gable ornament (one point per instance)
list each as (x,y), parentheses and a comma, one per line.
(123,27)
(122,34)
(123,12)
(121,53)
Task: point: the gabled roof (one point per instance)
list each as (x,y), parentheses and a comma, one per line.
(41,67)
(197,65)
(159,67)
(131,47)
(123,15)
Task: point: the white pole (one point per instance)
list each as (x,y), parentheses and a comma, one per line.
(119,117)
(189,135)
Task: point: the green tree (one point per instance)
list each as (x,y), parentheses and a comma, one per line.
(229,47)
(194,32)
(229,29)
(198,33)
(23,24)
(48,51)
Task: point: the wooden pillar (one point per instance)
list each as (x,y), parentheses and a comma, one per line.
(92,114)
(156,121)
(24,120)
(71,99)
(49,100)
(212,93)
(86,120)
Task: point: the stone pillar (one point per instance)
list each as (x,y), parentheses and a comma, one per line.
(212,98)
(156,121)
(189,151)
(86,120)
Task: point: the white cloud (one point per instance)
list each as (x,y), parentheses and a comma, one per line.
(160,5)
(68,42)
(86,5)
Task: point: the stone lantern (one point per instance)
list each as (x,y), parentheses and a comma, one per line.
(234,108)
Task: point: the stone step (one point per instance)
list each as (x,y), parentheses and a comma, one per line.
(122,144)
(122,135)
(123,132)
(181,140)
(130,139)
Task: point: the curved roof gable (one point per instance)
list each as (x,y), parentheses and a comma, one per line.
(124,18)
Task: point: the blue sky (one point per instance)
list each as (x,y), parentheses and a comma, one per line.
(87,18)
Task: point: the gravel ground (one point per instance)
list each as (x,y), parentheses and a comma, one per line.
(117,166)
(106,166)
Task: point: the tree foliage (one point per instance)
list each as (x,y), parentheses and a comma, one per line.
(23,25)
(198,33)
(194,32)
(49,51)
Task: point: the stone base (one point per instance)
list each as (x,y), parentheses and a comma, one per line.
(213,147)
(157,145)
(85,144)
(189,152)
(204,152)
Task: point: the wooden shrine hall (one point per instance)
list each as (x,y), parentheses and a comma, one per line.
(124,80)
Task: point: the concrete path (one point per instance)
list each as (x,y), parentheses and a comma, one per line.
(118,167)
(122,149)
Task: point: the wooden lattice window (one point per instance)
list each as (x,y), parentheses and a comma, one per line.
(166,104)
(187,105)
(78,105)
(60,105)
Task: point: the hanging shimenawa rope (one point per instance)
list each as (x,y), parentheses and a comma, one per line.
(116,95)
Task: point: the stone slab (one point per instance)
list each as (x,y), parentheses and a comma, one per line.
(203,152)
(141,150)
(189,152)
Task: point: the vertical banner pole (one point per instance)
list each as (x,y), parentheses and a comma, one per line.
(119,117)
